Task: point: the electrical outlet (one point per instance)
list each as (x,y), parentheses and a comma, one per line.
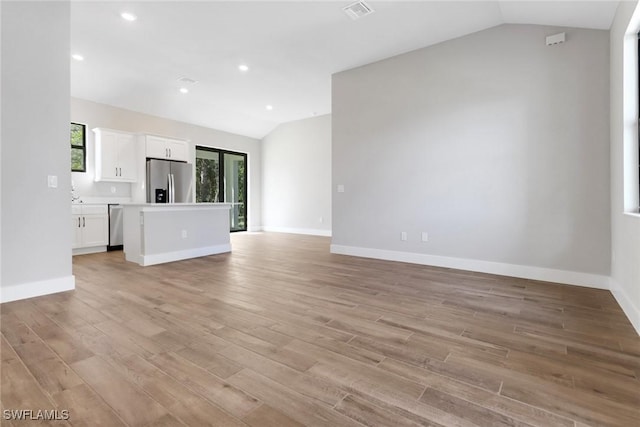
(403,236)
(113,189)
(425,236)
(184,234)
(340,188)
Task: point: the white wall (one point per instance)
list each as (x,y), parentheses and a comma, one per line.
(494,143)
(296,177)
(0,150)
(625,228)
(36,228)
(100,115)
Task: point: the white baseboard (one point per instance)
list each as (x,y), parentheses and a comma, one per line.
(502,269)
(85,251)
(630,308)
(291,230)
(36,289)
(146,260)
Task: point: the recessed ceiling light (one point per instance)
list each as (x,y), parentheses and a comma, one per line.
(127,16)
(269,107)
(77,57)
(184,90)
(243,68)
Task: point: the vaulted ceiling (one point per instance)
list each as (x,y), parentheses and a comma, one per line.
(291,49)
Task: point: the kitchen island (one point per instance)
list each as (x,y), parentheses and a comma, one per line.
(155,233)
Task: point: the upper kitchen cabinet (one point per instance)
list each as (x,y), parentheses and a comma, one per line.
(157,147)
(115,156)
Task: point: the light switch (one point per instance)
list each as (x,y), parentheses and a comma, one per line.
(52,181)
(340,188)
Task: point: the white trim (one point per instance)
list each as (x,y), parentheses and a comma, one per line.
(629,307)
(523,271)
(85,251)
(36,289)
(153,259)
(291,230)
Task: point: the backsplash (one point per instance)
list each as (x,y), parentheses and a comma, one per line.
(86,187)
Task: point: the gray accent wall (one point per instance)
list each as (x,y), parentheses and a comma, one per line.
(36,228)
(494,144)
(296,177)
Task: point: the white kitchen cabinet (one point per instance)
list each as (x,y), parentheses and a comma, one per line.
(89,226)
(115,156)
(76,231)
(157,147)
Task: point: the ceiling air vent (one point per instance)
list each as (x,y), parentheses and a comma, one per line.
(358,10)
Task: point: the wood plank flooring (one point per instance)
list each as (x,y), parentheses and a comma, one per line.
(282,333)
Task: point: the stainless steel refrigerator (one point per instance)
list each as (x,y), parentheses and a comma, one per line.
(169,181)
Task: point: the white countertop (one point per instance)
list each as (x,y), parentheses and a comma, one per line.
(175,206)
(89,204)
(159,205)
(101,200)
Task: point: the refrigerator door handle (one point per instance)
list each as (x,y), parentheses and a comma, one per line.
(173,189)
(170,196)
(168,188)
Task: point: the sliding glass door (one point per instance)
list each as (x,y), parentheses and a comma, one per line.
(221,176)
(235,188)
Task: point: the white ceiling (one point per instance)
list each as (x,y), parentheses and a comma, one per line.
(291,47)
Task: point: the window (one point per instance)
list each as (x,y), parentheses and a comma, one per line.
(221,176)
(78,148)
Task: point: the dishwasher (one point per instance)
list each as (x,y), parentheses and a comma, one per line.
(115,227)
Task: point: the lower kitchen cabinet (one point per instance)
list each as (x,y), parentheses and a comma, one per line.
(89,227)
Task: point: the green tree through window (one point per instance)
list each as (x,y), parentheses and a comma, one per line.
(78,148)
(207,188)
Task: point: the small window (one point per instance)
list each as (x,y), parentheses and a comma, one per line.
(78,148)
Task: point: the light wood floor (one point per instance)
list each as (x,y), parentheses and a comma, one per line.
(282,333)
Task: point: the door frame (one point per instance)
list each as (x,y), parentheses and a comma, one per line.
(221,152)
